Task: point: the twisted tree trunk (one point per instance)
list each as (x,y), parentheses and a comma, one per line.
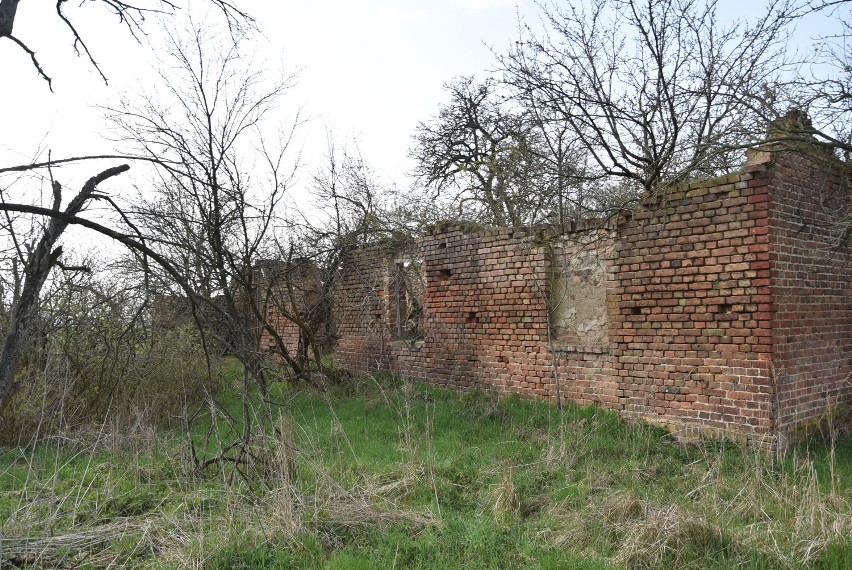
(38,266)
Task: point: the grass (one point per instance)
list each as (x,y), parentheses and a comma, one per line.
(384,473)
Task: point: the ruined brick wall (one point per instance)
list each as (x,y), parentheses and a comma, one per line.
(287,291)
(488,307)
(691,306)
(360,308)
(811,289)
(285,328)
(485,312)
(682,314)
(580,276)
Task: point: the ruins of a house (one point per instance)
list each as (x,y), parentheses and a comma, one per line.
(722,305)
(284,292)
(290,292)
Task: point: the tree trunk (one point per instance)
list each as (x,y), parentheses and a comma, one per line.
(42,259)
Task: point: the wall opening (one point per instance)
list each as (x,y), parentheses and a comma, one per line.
(407,286)
(578,310)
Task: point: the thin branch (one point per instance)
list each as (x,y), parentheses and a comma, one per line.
(79,40)
(35,61)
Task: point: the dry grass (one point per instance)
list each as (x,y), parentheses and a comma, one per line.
(88,545)
(506,503)
(572,487)
(52,528)
(670,537)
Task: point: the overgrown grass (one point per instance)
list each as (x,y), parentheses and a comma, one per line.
(384,473)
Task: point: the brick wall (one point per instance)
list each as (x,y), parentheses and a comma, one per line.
(485,317)
(360,309)
(485,312)
(704,309)
(811,290)
(288,290)
(286,329)
(691,306)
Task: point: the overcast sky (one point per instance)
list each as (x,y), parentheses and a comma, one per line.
(367,69)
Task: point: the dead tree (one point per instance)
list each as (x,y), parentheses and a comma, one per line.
(655,92)
(33,256)
(43,258)
(130,15)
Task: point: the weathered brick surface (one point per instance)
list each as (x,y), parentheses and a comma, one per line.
(811,291)
(288,291)
(724,306)
(286,329)
(360,312)
(691,304)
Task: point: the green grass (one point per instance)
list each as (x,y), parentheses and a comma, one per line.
(392,474)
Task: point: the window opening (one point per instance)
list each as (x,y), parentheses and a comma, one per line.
(406,298)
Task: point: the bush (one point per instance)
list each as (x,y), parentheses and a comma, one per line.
(72,380)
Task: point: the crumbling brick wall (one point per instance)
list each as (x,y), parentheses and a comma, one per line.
(485,312)
(361,308)
(581,308)
(691,306)
(288,292)
(485,317)
(287,330)
(811,289)
(706,308)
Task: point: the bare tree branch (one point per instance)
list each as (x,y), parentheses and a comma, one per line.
(655,92)
(131,15)
(40,262)
(75,159)
(36,64)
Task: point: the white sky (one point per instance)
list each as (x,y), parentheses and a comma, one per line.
(373,69)
(368,69)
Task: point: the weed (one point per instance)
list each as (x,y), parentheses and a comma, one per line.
(388,473)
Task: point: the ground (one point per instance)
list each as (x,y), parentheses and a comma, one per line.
(383,473)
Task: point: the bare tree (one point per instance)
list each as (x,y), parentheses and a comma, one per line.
(219,182)
(656,92)
(352,208)
(31,232)
(826,92)
(38,259)
(131,15)
(563,177)
(484,154)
